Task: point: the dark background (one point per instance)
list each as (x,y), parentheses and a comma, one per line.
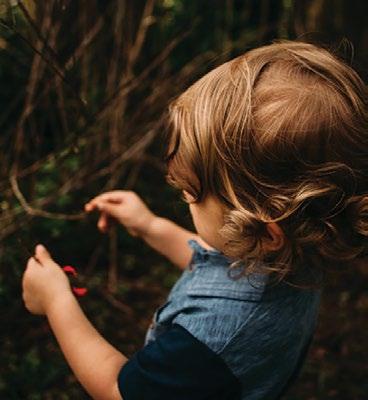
(83,87)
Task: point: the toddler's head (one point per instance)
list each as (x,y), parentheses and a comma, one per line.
(278,136)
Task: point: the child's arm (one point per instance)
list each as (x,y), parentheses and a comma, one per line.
(171,240)
(96,364)
(162,234)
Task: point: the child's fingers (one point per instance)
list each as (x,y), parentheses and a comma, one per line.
(88,207)
(97,205)
(93,205)
(29,272)
(103,222)
(110,209)
(111,197)
(41,254)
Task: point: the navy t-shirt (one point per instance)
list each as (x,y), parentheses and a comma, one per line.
(177,366)
(222,338)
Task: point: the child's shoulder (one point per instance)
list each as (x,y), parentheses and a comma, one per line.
(218,308)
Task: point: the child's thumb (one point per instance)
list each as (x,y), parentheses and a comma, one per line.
(42,254)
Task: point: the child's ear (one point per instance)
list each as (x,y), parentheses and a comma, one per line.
(276,237)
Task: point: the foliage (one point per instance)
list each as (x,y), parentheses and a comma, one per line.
(84,86)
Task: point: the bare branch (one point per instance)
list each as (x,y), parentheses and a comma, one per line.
(145,22)
(37,212)
(119,305)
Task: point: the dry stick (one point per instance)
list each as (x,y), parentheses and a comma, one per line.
(152,98)
(93,259)
(118,110)
(39,163)
(114,135)
(9,229)
(59,91)
(34,77)
(129,86)
(132,55)
(145,22)
(53,62)
(9,11)
(34,167)
(185,74)
(61,109)
(117,122)
(78,52)
(84,176)
(115,127)
(112,277)
(124,87)
(54,68)
(85,62)
(35,28)
(30,210)
(133,175)
(35,211)
(124,90)
(112,272)
(67,187)
(77,181)
(87,40)
(116,303)
(134,151)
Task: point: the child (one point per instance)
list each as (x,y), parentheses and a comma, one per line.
(270,151)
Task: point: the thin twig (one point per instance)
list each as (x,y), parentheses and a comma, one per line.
(48,62)
(110,102)
(145,22)
(34,77)
(119,305)
(35,212)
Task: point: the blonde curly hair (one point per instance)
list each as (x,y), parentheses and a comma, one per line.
(279,134)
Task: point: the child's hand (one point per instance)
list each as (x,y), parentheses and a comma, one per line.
(125,207)
(43,282)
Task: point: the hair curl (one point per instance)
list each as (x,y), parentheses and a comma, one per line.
(279,134)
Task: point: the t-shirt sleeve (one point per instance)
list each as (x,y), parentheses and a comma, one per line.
(177,366)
